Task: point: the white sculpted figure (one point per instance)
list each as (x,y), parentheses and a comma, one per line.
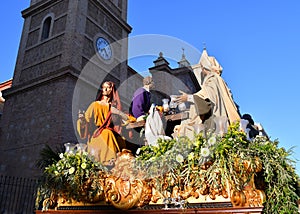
(214,91)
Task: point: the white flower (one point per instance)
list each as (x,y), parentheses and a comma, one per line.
(61,155)
(179,158)
(205,152)
(71,170)
(83,165)
(212,140)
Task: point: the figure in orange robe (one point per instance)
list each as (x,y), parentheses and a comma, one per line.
(104,140)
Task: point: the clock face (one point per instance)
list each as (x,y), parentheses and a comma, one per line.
(104,48)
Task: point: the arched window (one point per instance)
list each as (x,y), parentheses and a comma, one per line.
(46,28)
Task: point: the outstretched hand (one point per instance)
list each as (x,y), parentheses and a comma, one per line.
(181,98)
(120,113)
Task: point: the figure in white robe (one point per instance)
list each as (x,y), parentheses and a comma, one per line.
(213,87)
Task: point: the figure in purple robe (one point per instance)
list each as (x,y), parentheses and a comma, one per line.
(141,101)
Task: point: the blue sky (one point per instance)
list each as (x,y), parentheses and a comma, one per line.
(256,42)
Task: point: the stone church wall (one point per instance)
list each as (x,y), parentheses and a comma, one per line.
(47,114)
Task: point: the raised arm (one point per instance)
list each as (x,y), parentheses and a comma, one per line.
(119,112)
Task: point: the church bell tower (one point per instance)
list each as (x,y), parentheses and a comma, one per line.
(62,42)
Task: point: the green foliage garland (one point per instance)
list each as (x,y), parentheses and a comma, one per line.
(208,162)
(179,161)
(74,176)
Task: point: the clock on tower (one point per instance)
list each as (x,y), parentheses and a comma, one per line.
(104,49)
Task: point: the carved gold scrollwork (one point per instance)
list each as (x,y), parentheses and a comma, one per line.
(238,198)
(50,203)
(123,194)
(124,190)
(250,196)
(254,197)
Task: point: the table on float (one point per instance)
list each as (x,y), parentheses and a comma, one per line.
(171,121)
